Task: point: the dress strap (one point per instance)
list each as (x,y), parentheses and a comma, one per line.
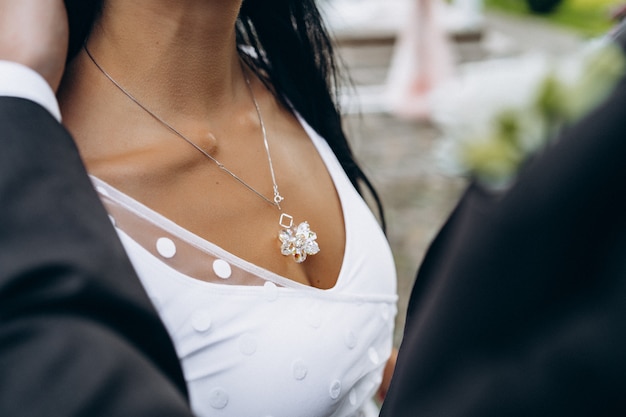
(163,244)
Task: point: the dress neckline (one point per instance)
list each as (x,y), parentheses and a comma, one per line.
(339,180)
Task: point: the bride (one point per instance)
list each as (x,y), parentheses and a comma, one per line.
(210,132)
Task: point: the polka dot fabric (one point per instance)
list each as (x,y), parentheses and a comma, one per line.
(252,343)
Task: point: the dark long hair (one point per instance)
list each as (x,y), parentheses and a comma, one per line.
(293,55)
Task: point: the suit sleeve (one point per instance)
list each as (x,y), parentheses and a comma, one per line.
(78,335)
(518,309)
(17,80)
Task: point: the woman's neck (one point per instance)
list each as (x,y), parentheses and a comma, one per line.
(179,56)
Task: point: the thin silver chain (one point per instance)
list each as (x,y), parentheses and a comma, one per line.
(277,197)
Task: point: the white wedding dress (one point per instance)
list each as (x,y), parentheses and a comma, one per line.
(255,344)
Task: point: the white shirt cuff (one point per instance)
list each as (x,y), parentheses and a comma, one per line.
(17,80)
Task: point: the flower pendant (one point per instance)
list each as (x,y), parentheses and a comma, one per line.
(297,241)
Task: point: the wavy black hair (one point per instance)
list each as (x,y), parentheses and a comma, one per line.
(293,55)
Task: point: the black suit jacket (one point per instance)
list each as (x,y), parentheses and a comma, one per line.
(519,308)
(78,335)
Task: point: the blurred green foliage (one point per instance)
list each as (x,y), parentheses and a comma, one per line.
(588,17)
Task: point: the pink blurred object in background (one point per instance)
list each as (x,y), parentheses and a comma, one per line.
(421,61)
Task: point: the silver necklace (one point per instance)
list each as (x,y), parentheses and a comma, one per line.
(296,241)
